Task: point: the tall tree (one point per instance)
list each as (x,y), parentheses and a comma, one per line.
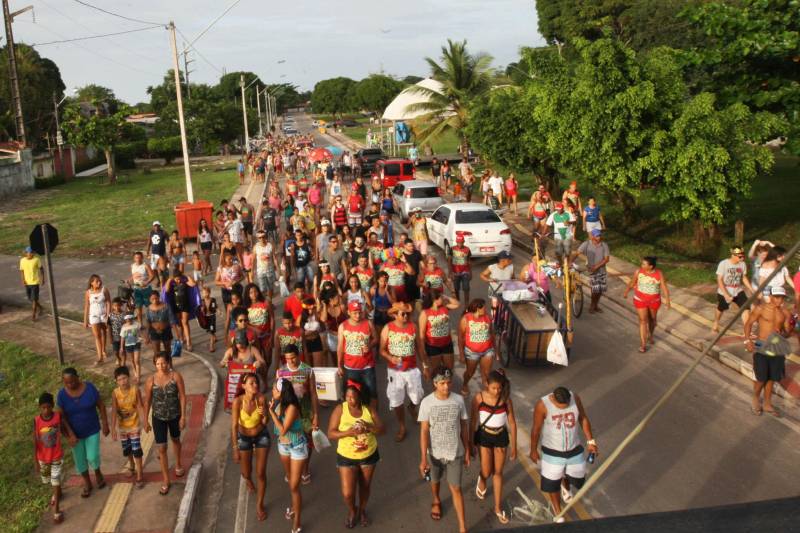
(100,130)
(333,96)
(464,78)
(376,92)
(39,81)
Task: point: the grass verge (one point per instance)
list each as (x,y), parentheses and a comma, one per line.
(25,375)
(97,219)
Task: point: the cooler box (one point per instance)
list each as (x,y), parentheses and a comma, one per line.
(329,384)
(188,215)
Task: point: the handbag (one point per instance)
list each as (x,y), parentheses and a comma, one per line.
(475,436)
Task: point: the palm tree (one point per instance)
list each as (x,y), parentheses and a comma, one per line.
(464,77)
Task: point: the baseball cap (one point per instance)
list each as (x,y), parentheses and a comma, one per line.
(559,205)
(596,232)
(325,222)
(28,249)
(354,306)
(504,255)
(156,223)
(459,238)
(777,291)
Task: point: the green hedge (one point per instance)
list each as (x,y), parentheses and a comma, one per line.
(125,153)
(167,147)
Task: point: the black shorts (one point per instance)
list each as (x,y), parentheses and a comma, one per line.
(381,318)
(723,305)
(314,345)
(162,336)
(769,368)
(436,351)
(490,439)
(160,428)
(344,462)
(248,227)
(206,246)
(461,281)
(32,292)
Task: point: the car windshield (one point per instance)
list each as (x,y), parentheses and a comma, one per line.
(424,192)
(476,217)
(408,168)
(392,169)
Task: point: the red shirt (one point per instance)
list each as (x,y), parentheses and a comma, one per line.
(356,203)
(290,336)
(478,336)
(437,327)
(48,438)
(294,305)
(357,352)
(401,343)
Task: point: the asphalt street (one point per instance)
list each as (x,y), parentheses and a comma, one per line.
(704,448)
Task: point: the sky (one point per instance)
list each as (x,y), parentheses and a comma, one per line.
(312,39)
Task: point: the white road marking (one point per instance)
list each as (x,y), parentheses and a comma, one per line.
(240,525)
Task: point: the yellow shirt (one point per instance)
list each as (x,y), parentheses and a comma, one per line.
(30,270)
(361,446)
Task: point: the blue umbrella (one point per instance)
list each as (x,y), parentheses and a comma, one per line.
(335,150)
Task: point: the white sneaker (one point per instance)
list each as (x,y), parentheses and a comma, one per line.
(559,520)
(566,495)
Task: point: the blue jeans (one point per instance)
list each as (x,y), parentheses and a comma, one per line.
(305,272)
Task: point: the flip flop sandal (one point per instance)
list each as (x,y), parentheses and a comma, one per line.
(305,479)
(436,515)
(501,517)
(86,492)
(139,484)
(774,413)
(364,520)
(179,472)
(289,514)
(350,523)
(481,494)
(756,411)
(261,515)
(58,517)
(101,485)
(164,490)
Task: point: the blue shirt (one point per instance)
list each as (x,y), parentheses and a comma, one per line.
(81,412)
(592,213)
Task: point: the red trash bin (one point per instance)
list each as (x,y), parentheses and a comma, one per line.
(188,215)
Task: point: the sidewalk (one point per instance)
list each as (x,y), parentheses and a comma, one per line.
(696,331)
(119,507)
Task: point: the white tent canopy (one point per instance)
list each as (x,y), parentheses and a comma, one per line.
(397,110)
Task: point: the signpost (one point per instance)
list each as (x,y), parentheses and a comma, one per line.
(44,239)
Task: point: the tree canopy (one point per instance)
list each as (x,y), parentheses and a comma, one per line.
(333,96)
(375,92)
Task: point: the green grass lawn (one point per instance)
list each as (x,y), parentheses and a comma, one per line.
(98,219)
(25,375)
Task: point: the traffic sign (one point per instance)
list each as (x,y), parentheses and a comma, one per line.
(36,238)
(59,138)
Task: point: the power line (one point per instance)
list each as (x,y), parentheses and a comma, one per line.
(84,26)
(212,22)
(185,48)
(81,2)
(95,36)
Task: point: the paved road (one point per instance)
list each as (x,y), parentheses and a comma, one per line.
(704,448)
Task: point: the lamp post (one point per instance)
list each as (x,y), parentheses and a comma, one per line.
(59,138)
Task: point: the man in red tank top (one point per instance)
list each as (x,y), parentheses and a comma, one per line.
(354,351)
(399,347)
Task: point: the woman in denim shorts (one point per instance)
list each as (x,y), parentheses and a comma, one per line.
(292,443)
(249,434)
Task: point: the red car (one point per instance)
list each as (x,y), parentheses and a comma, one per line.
(393,170)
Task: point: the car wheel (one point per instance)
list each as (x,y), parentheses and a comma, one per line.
(447,250)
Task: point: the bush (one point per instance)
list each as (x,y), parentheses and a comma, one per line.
(212,147)
(167,147)
(44,183)
(126,153)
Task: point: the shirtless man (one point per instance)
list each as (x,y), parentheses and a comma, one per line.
(769,357)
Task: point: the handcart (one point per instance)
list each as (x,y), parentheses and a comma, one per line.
(525,324)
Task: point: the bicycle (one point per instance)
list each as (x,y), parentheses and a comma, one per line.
(573,286)
(125,293)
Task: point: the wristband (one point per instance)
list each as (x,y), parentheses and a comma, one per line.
(591,442)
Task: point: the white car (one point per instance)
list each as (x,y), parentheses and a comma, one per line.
(485,234)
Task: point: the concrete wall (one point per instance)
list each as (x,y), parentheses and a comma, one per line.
(16,173)
(43,166)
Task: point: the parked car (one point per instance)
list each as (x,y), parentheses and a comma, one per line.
(392,171)
(315,123)
(409,195)
(367,157)
(485,234)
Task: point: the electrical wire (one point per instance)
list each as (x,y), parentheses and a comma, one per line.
(84,26)
(194,48)
(212,23)
(81,2)
(95,36)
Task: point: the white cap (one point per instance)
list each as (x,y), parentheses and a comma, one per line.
(156,223)
(325,222)
(777,291)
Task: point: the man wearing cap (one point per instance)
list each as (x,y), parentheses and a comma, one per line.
(597,255)
(156,244)
(419,231)
(398,346)
(562,233)
(460,270)
(769,348)
(731,280)
(354,351)
(32,274)
(321,246)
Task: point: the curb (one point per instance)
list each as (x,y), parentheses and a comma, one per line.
(213,389)
(724,357)
(187,500)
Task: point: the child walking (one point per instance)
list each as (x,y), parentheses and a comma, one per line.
(127,410)
(131,344)
(115,320)
(48,454)
(208,317)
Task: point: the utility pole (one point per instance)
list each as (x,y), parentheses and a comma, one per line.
(186,168)
(244,115)
(258,103)
(16,97)
(59,139)
(186,71)
(269,114)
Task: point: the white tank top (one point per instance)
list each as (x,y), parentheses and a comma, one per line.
(560,431)
(97,304)
(139,274)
